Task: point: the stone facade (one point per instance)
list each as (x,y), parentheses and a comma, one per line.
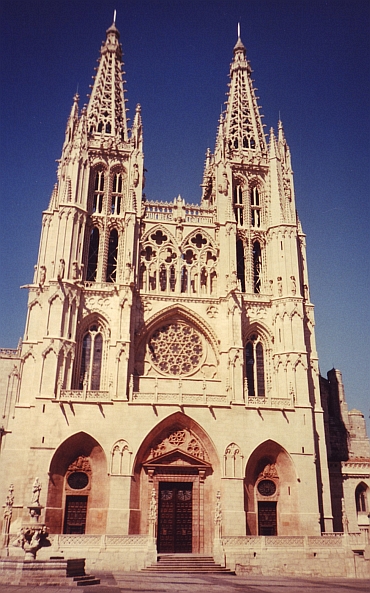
(167,392)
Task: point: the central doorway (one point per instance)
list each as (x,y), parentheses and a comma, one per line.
(175,517)
(267,519)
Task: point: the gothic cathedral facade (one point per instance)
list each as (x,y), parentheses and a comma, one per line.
(169,367)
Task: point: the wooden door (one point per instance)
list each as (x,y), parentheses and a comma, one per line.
(75,514)
(267,520)
(175,517)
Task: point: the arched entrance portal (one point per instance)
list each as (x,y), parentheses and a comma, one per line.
(178,463)
(77,499)
(271,497)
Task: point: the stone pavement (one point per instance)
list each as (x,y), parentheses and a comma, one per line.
(132,582)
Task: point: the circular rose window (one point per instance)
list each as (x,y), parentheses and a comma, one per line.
(78,480)
(266,487)
(176,349)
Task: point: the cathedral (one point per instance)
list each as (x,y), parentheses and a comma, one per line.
(166,397)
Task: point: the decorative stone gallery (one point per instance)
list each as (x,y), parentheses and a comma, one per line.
(167,390)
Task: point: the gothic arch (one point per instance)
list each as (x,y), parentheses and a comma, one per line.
(262,330)
(233,461)
(179,312)
(176,450)
(198,231)
(121,454)
(79,452)
(159,227)
(271,464)
(90,367)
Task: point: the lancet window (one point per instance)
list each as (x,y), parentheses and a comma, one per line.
(240,263)
(117,194)
(158,266)
(92,261)
(255,207)
(257,267)
(361,498)
(238,204)
(91,359)
(98,197)
(111,271)
(255,368)
(198,268)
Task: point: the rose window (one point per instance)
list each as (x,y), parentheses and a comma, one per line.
(176,349)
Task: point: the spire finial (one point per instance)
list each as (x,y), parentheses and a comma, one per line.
(114,16)
(238,30)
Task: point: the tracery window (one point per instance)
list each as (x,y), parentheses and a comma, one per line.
(98,197)
(111,272)
(92,261)
(117,194)
(257,267)
(361,498)
(198,269)
(240,263)
(238,204)
(91,359)
(255,368)
(176,348)
(255,207)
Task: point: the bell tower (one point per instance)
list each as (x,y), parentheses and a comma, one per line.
(87,243)
(249,183)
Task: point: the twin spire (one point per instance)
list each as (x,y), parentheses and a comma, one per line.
(242,128)
(106,113)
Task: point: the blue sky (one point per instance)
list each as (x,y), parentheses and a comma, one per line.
(311,62)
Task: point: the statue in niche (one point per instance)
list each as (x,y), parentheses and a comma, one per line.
(61,269)
(223,187)
(293,285)
(42,275)
(136,175)
(75,271)
(36,490)
(280,285)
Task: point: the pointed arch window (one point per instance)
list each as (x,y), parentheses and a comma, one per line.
(257,267)
(255,368)
(92,261)
(111,274)
(117,194)
(91,359)
(240,263)
(361,498)
(255,207)
(238,204)
(98,192)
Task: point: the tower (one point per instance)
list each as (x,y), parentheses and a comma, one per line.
(169,359)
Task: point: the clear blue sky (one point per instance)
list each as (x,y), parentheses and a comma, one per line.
(311,62)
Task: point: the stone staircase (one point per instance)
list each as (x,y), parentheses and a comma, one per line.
(194,563)
(76,571)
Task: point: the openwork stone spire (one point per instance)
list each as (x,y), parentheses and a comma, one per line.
(106,112)
(243,126)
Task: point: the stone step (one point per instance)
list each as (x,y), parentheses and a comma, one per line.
(87,579)
(185,563)
(92,581)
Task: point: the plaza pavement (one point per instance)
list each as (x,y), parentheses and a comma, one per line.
(132,582)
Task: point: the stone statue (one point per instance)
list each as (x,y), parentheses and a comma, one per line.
(224,185)
(42,275)
(136,175)
(75,272)
(293,285)
(153,507)
(61,269)
(280,285)
(36,490)
(344,517)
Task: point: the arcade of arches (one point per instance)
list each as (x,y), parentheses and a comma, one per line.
(179,463)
